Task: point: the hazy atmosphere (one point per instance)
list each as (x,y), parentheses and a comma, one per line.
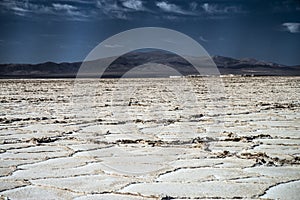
(34,31)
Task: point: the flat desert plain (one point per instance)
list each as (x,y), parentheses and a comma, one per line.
(163,138)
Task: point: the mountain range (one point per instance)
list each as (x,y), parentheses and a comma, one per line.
(147,64)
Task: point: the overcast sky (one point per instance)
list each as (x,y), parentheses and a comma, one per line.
(35,31)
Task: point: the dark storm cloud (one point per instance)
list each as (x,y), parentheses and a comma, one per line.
(66,30)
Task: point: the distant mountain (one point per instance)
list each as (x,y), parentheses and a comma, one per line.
(248,66)
(42,70)
(151,64)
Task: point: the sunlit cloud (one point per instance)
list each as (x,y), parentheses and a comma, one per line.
(32,9)
(69,9)
(133,4)
(216,9)
(292,27)
(112,9)
(171,8)
(66,7)
(116,9)
(24,7)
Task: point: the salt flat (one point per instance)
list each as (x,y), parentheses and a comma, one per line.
(150,138)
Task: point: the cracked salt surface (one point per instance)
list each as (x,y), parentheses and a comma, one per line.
(280,191)
(149,144)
